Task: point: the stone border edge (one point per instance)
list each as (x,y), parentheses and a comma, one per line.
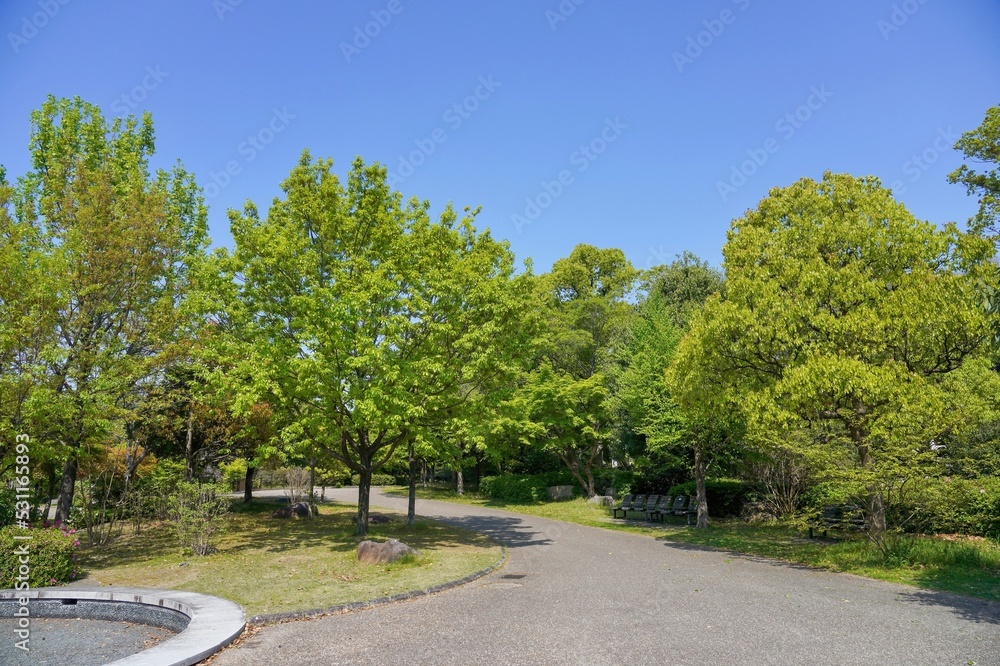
(206,634)
(273,618)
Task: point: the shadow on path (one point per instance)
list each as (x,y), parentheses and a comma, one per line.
(510,531)
(979,611)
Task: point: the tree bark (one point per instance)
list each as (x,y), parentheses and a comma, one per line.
(699,482)
(364,492)
(248,487)
(459,482)
(66,487)
(188,452)
(411,504)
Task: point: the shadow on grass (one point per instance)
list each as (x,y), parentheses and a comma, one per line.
(251,528)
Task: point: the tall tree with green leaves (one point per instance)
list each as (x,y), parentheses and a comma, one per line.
(982,145)
(368,318)
(842,316)
(118,242)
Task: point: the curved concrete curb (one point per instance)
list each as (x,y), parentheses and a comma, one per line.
(214,622)
(360,605)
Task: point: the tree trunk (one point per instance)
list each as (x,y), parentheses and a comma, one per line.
(66,487)
(248,487)
(459,482)
(364,492)
(699,482)
(591,490)
(423,472)
(188,452)
(411,504)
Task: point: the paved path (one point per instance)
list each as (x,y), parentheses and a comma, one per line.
(591,596)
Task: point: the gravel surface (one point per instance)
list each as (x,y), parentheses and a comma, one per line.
(77,642)
(579,595)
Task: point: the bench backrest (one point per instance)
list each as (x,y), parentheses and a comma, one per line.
(680,502)
(651,502)
(640,501)
(627,500)
(666,501)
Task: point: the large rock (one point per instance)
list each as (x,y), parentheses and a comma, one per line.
(299,510)
(606,500)
(370,552)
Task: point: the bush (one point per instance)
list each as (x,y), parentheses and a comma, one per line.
(623,482)
(725,496)
(523,487)
(233,472)
(962,506)
(199,511)
(50,555)
(377,480)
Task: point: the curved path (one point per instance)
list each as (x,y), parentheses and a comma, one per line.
(589,596)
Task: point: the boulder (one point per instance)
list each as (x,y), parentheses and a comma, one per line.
(299,510)
(606,500)
(370,552)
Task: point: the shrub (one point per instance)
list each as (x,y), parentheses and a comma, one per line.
(963,506)
(623,482)
(725,496)
(377,479)
(199,511)
(523,487)
(50,555)
(233,472)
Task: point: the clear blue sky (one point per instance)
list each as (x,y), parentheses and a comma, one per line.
(666,119)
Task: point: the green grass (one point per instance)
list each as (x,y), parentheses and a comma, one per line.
(269,565)
(969,565)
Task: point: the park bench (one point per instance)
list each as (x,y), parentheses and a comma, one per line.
(661,508)
(624,506)
(679,507)
(651,502)
(837,516)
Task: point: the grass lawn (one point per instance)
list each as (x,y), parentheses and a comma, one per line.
(967,565)
(269,565)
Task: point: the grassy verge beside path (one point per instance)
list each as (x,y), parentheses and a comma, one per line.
(966,565)
(269,565)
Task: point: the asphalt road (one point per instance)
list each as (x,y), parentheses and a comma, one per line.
(582,595)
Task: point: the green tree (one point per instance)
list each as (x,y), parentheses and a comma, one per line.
(118,242)
(982,145)
(842,315)
(368,318)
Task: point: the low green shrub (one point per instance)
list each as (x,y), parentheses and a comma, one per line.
(623,482)
(725,496)
(49,553)
(523,487)
(959,506)
(377,479)
(199,512)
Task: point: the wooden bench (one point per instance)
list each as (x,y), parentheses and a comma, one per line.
(837,516)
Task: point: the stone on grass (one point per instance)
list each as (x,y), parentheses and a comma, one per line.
(370,552)
(606,500)
(375,519)
(299,510)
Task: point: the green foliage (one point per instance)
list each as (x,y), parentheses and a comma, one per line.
(842,317)
(199,511)
(377,479)
(623,482)
(8,504)
(233,472)
(960,506)
(726,497)
(982,145)
(523,487)
(50,555)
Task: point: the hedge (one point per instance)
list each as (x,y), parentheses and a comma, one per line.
(50,555)
(377,480)
(523,487)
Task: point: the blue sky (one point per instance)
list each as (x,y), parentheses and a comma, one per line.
(643,125)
